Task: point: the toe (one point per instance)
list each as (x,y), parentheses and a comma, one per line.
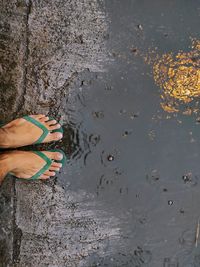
(55,136)
(55,155)
(50,173)
(54,127)
(56,165)
(44,119)
(55,169)
(51,122)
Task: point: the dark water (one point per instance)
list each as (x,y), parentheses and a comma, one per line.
(139,163)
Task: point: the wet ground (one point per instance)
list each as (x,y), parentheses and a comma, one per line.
(129,195)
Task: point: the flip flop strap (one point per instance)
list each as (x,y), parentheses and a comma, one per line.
(46,166)
(41,126)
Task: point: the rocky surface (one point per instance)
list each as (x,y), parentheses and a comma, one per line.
(44,46)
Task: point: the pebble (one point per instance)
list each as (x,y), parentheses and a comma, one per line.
(110,157)
(140,27)
(170,202)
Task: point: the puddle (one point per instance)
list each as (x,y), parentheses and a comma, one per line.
(125,150)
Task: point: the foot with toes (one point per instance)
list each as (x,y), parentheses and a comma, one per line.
(30,165)
(28,130)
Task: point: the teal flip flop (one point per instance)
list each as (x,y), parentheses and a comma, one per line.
(43,128)
(48,162)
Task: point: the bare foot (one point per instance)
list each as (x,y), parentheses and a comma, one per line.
(25,164)
(21,132)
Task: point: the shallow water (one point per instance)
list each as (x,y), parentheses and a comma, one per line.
(138,162)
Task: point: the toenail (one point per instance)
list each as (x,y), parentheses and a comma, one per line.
(59,165)
(59,156)
(58,136)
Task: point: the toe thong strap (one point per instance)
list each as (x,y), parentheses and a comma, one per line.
(41,126)
(46,166)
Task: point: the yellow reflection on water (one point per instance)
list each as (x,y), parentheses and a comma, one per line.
(178,76)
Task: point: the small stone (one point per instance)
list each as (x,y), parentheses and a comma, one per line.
(187,178)
(170,202)
(126,133)
(110,157)
(133,116)
(140,27)
(134,50)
